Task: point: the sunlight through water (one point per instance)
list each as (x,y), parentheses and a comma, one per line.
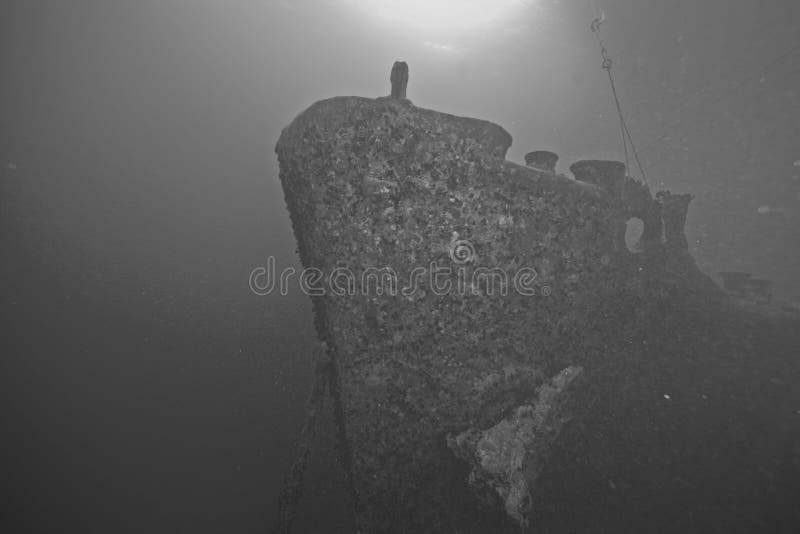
(441,15)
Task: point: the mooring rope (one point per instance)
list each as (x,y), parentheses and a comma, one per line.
(326,384)
(294,485)
(626,134)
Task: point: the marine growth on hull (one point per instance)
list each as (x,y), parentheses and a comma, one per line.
(470,305)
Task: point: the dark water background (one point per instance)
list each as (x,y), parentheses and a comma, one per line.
(145,389)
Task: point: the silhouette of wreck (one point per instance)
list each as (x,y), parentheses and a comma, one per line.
(542,357)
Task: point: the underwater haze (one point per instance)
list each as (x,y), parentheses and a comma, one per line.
(148,388)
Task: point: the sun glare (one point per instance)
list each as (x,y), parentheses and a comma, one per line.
(440,15)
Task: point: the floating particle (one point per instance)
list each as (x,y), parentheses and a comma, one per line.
(667,396)
(766,210)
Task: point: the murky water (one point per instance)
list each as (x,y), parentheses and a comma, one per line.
(147,389)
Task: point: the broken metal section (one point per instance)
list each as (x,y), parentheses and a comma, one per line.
(506,459)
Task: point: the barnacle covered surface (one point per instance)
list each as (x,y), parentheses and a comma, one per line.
(380,183)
